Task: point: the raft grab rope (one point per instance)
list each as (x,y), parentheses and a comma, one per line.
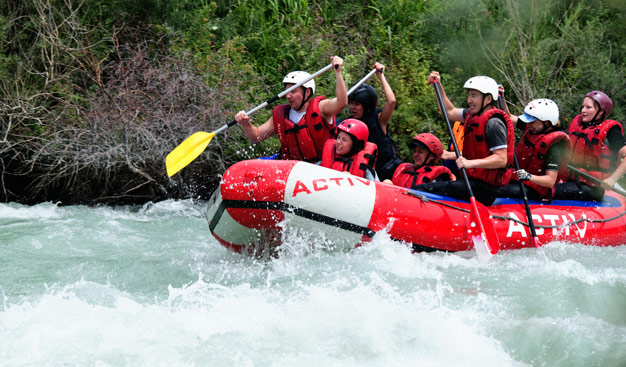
(425,199)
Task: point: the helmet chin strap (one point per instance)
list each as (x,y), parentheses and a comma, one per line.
(356,146)
(430,154)
(482,104)
(304,100)
(596,120)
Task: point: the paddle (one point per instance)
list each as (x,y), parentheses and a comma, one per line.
(599,182)
(522,186)
(485,238)
(365,78)
(194,145)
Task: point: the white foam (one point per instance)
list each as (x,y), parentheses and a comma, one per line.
(375,305)
(19,211)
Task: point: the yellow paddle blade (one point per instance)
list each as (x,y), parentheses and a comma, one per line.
(187,151)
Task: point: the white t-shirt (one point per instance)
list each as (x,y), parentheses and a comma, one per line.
(295,116)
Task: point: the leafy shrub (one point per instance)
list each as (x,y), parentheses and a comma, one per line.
(94,94)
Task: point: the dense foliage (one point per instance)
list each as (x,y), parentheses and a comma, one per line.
(94,94)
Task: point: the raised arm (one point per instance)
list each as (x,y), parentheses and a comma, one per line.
(454,114)
(385,114)
(331,107)
(505,106)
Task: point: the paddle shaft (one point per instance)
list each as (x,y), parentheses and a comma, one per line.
(277,97)
(281,94)
(365,78)
(522,186)
(489,243)
(194,145)
(591,178)
(452,137)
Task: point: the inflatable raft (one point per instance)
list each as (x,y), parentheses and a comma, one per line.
(258,200)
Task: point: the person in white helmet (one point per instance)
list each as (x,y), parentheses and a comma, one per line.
(488,143)
(303,124)
(542,152)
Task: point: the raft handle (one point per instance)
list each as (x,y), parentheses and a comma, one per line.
(425,199)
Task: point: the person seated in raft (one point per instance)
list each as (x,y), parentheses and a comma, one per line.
(427,151)
(350,151)
(542,152)
(363,106)
(488,144)
(598,148)
(303,124)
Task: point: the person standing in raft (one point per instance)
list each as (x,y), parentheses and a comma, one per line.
(427,151)
(303,124)
(598,148)
(363,106)
(542,152)
(488,143)
(350,151)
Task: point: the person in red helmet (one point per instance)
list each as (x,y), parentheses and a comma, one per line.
(303,124)
(598,148)
(427,151)
(350,151)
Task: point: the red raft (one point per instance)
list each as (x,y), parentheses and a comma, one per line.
(258,200)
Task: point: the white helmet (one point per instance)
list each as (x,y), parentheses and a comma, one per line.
(541,109)
(296,77)
(483,84)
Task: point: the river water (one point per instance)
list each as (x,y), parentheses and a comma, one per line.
(149,286)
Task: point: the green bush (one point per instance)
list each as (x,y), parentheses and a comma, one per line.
(52,66)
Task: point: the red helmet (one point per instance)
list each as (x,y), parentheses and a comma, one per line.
(355,128)
(430,142)
(603,100)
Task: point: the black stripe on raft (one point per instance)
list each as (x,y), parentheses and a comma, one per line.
(279,205)
(216,216)
(419,248)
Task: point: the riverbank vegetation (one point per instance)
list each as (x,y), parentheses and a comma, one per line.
(94,94)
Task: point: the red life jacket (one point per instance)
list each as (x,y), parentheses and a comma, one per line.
(357,164)
(531,155)
(589,150)
(475,146)
(303,141)
(409,175)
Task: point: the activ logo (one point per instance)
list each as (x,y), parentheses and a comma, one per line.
(335,194)
(558,223)
(321,184)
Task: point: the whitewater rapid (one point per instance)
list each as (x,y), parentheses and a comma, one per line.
(149,286)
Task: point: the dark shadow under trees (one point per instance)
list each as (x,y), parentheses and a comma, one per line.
(107,143)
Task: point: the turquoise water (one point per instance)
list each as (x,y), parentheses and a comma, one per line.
(149,286)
